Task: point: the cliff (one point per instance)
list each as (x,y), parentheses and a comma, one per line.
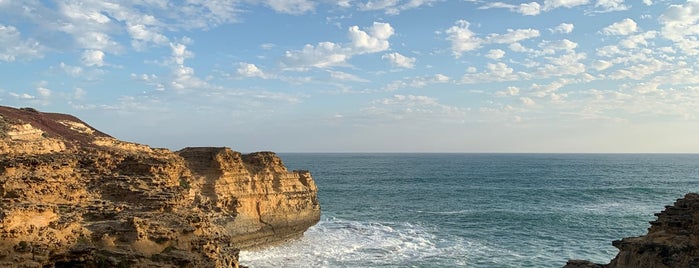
(72,196)
(672,240)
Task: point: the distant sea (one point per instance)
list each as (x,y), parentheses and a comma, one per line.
(478,210)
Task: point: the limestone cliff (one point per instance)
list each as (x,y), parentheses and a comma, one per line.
(72,196)
(672,240)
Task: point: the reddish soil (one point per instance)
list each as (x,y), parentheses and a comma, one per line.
(48,122)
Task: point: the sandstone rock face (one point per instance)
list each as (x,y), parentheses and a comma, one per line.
(672,240)
(72,196)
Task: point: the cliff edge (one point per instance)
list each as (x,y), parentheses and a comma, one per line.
(72,196)
(672,241)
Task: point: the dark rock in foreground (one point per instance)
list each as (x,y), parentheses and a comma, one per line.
(672,240)
(71,196)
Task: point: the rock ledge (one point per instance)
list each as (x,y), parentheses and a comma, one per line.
(672,240)
(72,196)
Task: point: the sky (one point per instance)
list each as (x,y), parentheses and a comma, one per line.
(560,76)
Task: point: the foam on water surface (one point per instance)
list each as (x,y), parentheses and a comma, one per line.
(336,242)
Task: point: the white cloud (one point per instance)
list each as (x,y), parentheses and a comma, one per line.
(611,5)
(70,70)
(648,2)
(142,35)
(510,91)
(393,7)
(180,53)
(527,101)
(495,72)
(551,47)
(79,93)
(680,25)
(250,70)
(13,47)
(291,6)
(462,38)
(601,65)
(328,54)
(400,61)
(552,4)
(495,54)
(417,82)
(413,107)
(638,40)
(325,54)
(624,27)
(183,76)
(512,36)
(23,96)
(43,92)
(563,28)
(93,58)
(346,76)
(529,9)
(375,40)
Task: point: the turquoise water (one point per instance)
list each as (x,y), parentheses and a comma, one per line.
(478,210)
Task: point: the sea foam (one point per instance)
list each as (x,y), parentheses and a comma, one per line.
(337,242)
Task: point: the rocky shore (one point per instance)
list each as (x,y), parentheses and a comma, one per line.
(672,241)
(72,196)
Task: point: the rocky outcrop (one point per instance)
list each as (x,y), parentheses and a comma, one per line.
(71,196)
(672,240)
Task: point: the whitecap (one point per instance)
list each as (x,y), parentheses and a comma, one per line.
(337,242)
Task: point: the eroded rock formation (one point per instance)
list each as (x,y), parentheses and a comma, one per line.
(72,196)
(672,240)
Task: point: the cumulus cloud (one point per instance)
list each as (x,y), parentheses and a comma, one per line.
(291,6)
(183,76)
(624,27)
(417,82)
(611,5)
(13,47)
(495,54)
(375,39)
(510,91)
(529,9)
(400,61)
(601,65)
(93,58)
(680,22)
(463,39)
(512,36)
(346,76)
(412,107)
(250,70)
(563,28)
(494,72)
(43,92)
(323,55)
(393,7)
(143,35)
(327,54)
(180,53)
(552,4)
(527,101)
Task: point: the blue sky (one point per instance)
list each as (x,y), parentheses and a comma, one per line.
(363,76)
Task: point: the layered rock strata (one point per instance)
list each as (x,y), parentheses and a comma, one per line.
(672,240)
(71,196)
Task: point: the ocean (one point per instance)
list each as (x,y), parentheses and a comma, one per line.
(478,210)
